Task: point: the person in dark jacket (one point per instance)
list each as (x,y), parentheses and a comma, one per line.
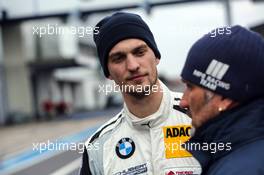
(224,77)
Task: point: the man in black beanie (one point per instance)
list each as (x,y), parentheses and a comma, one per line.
(144,137)
(225,97)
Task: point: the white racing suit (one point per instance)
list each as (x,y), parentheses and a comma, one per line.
(128,145)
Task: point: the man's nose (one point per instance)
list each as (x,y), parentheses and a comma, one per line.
(132,63)
(184,103)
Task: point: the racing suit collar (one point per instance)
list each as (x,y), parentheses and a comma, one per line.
(154,119)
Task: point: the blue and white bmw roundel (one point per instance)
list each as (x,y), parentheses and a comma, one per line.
(125,148)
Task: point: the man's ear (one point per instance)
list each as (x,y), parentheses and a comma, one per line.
(157,61)
(227,103)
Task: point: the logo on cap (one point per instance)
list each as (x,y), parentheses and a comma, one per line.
(125,148)
(217,69)
(213,76)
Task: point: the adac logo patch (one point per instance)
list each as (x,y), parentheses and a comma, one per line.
(125,148)
(174,137)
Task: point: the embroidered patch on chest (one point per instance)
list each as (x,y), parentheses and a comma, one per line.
(125,148)
(174,137)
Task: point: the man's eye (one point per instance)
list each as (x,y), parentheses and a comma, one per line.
(117,59)
(140,52)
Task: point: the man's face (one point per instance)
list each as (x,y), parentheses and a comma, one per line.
(201,103)
(131,62)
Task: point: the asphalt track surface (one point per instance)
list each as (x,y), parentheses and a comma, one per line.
(53,161)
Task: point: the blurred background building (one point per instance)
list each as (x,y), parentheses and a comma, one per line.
(49,70)
(45,70)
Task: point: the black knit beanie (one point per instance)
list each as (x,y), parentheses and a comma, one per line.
(117,27)
(229,64)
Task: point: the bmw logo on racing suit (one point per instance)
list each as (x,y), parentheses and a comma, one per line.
(125,148)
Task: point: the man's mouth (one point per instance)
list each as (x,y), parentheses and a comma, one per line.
(136,77)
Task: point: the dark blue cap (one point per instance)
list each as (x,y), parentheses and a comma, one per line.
(230,64)
(117,27)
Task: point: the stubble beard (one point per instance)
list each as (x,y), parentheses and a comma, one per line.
(146,90)
(207,109)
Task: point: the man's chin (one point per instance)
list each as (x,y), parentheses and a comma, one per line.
(138,94)
(188,112)
(137,82)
